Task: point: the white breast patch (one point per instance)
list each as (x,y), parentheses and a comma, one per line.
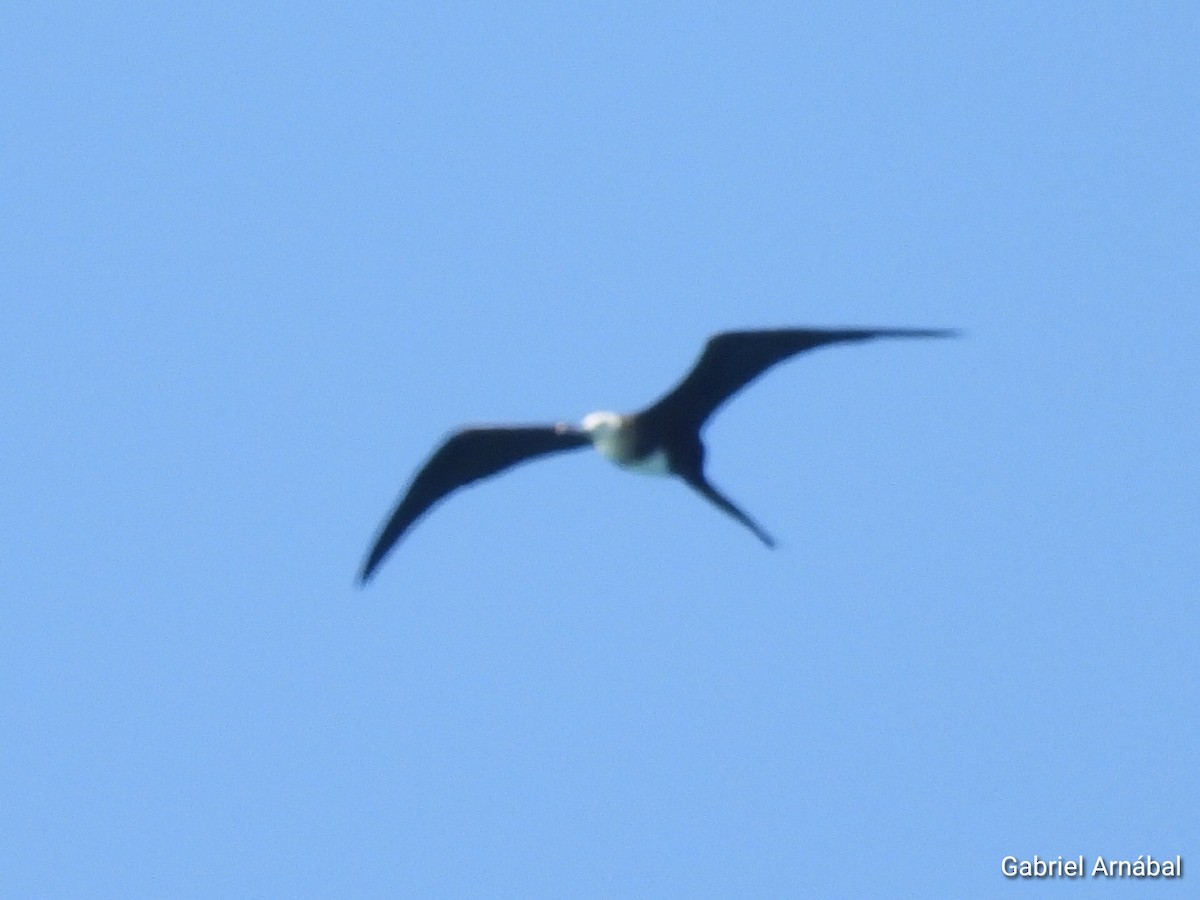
(654,464)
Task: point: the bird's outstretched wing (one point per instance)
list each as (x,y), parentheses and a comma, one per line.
(732,359)
(466,456)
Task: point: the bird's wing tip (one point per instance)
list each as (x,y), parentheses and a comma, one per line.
(925,332)
(918,332)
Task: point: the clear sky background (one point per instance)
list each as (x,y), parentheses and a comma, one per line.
(258,259)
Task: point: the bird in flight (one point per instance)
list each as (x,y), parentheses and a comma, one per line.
(663,438)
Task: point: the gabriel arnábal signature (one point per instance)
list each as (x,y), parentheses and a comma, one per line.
(1145,866)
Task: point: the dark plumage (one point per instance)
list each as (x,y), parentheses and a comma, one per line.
(664,438)
(468,455)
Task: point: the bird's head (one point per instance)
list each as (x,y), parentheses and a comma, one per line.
(606,429)
(601,426)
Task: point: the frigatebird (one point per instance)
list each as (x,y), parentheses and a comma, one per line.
(663,438)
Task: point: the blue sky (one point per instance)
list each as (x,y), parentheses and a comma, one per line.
(258,261)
